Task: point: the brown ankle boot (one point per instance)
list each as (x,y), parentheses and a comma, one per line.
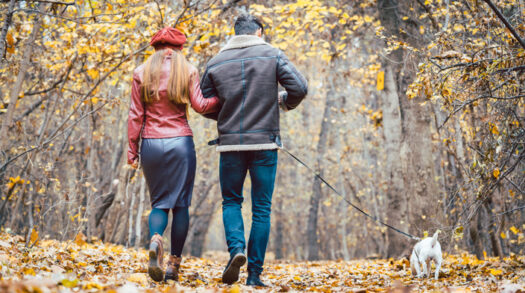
(172,269)
(156,254)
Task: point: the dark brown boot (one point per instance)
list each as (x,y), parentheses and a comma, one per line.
(172,269)
(156,254)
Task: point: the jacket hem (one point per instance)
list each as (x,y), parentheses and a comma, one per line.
(167,135)
(247,147)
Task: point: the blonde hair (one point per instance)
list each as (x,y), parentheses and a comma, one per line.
(178,89)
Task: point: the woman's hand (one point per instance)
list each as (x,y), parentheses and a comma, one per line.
(135,164)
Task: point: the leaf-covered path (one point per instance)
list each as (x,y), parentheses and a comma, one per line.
(77,266)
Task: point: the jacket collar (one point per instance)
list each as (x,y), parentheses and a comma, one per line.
(243,41)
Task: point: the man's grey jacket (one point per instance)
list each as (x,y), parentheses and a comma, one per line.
(245,76)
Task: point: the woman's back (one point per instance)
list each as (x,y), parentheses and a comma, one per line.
(161,117)
(164,118)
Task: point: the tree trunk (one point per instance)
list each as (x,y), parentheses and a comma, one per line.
(201,215)
(397,203)
(131,236)
(17,87)
(200,229)
(5,28)
(494,229)
(426,199)
(140,211)
(475,236)
(419,192)
(311,232)
(279,229)
(92,204)
(343,208)
(115,210)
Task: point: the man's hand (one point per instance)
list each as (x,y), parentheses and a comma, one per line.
(281,97)
(135,164)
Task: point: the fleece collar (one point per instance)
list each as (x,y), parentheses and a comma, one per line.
(243,41)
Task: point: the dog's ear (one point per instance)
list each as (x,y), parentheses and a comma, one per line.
(435,238)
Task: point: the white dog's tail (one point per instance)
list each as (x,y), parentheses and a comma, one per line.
(435,238)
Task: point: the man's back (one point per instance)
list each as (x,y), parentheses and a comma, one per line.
(245,76)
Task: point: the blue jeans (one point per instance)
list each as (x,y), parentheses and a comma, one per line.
(233,168)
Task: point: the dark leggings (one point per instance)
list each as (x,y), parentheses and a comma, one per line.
(158,221)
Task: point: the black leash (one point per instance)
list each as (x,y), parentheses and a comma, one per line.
(347,201)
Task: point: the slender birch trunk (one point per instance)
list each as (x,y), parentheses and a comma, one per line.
(140,211)
(17,87)
(5,28)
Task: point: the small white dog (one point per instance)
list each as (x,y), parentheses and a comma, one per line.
(426,250)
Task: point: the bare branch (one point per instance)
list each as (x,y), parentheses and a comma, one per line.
(5,28)
(48,141)
(76,20)
(506,22)
(515,68)
(62,80)
(229,5)
(56,2)
(427,9)
(510,211)
(466,103)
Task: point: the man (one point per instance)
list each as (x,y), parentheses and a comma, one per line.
(245,76)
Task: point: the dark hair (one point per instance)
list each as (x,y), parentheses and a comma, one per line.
(247,24)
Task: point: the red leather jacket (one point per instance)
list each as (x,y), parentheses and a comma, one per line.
(163,118)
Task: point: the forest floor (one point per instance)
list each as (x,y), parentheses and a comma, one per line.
(77,266)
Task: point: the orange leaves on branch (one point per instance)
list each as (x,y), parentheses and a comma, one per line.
(496,173)
(13,181)
(93,73)
(10,43)
(494,128)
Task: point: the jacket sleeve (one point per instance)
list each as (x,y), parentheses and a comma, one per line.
(293,82)
(135,120)
(199,103)
(209,91)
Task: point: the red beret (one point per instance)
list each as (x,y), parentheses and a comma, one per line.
(168,37)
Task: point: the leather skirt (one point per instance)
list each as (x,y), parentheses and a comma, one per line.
(169,169)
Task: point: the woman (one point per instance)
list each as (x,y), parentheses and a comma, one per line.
(163,88)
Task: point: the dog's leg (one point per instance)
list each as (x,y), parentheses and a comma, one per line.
(425,268)
(438,267)
(418,269)
(413,265)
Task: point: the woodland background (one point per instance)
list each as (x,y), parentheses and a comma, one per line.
(415,113)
